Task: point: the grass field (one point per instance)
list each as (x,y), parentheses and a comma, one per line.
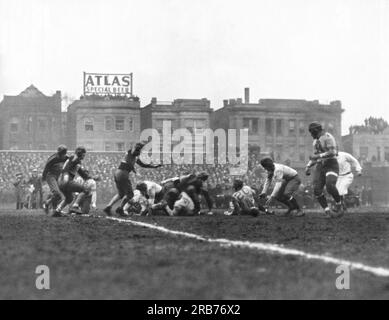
(96,258)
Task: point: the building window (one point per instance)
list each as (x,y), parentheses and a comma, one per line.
(331,128)
(386,155)
(364,152)
(29,124)
(14,147)
(251,124)
(199,124)
(292,127)
(89,146)
(120,146)
(302,153)
(302,128)
(119,124)
(42,124)
(108,146)
(279,127)
(246,123)
(254,125)
(131,124)
(14,125)
(378,154)
(109,124)
(269,126)
(88,124)
(278,155)
(42,147)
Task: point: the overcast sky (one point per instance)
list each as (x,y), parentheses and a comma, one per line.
(325,50)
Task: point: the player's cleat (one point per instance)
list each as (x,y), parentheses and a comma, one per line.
(75,209)
(107,211)
(126,213)
(46,208)
(120,212)
(254,212)
(327,213)
(58,214)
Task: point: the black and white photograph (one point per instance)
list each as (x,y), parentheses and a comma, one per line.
(194,154)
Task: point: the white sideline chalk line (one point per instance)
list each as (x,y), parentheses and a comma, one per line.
(273,248)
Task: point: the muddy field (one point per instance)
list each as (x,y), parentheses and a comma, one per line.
(96,258)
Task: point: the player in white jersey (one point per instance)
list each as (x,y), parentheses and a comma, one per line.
(286,182)
(154,192)
(86,202)
(139,203)
(185,205)
(346,163)
(243,201)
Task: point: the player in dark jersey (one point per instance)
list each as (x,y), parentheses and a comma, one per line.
(68,185)
(51,173)
(195,180)
(326,169)
(122,178)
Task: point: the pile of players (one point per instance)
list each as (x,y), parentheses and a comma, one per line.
(180,196)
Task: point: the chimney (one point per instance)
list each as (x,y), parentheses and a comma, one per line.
(225,103)
(246,95)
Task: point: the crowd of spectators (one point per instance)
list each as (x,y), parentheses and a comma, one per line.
(104,165)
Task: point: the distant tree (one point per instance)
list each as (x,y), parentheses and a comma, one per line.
(371,125)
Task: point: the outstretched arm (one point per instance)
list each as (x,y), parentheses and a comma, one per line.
(144,165)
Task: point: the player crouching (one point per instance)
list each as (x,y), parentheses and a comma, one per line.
(146,194)
(243,201)
(86,201)
(286,182)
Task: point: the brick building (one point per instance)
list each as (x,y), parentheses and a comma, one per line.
(30,121)
(192,114)
(104,123)
(368,147)
(280,126)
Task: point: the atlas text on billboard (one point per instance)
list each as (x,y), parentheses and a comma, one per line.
(107,84)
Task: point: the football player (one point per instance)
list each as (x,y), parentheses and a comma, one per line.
(286,183)
(326,171)
(139,203)
(68,185)
(184,205)
(197,181)
(346,163)
(243,201)
(51,173)
(122,178)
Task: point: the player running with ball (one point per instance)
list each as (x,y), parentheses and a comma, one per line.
(326,169)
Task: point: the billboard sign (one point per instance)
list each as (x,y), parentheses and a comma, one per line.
(108,84)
